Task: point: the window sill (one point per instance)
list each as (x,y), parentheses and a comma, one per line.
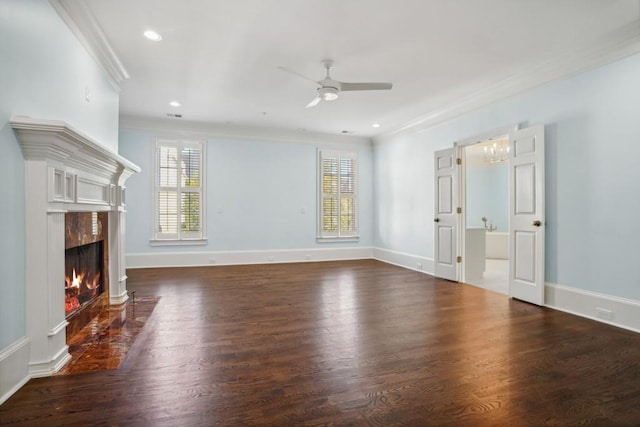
(184,242)
(337,239)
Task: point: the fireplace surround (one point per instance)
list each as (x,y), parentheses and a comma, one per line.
(65,171)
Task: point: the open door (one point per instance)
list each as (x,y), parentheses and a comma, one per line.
(526,215)
(445,215)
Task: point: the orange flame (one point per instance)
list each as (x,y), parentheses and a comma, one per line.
(75,281)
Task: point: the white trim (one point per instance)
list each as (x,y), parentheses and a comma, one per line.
(83,24)
(14,367)
(175,128)
(625,313)
(194,259)
(50,367)
(321,239)
(121,298)
(175,242)
(402,259)
(60,327)
(620,44)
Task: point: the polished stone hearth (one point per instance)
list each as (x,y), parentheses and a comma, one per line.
(104,343)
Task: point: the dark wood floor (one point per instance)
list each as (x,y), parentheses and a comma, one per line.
(345,343)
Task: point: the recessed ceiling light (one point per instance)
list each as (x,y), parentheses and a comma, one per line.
(175,104)
(376,125)
(152,35)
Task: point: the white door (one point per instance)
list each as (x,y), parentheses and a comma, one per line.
(445,216)
(526,215)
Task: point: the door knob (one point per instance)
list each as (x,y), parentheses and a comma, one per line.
(537,223)
(436,220)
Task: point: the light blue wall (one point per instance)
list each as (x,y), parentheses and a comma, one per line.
(43,74)
(592,134)
(256,194)
(488,195)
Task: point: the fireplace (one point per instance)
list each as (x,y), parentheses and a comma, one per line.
(75,197)
(83,277)
(86,276)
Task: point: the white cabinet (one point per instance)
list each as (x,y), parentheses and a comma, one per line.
(474,253)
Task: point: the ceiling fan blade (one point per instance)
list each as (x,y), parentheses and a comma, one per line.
(365,86)
(295,73)
(315,102)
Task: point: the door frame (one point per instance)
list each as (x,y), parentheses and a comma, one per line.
(498,133)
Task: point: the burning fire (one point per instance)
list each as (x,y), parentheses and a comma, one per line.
(75,281)
(75,286)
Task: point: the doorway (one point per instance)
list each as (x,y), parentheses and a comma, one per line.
(526,236)
(486,214)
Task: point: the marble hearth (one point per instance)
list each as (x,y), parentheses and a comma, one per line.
(65,171)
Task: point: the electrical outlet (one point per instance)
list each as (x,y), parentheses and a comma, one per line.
(212,260)
(419,266)
(307,256)
(604,314)
(271,258)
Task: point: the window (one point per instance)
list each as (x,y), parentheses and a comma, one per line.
(338,218)
(179,192)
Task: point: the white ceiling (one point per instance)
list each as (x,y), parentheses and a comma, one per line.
(220,58)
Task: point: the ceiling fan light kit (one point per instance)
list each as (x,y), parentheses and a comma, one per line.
(328,93)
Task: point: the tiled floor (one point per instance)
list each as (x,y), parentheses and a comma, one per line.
(496,276)
(104,343)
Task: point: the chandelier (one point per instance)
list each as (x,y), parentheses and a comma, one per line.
(496,152)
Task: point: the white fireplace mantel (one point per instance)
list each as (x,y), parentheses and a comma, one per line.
(65,171)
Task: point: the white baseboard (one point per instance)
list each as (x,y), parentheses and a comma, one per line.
(195,259)
(623,313)
(412,262)
(50,367)
(14,366)
(118,299)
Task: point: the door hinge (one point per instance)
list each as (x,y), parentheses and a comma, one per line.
(459,259)
(459,210)
(458,161)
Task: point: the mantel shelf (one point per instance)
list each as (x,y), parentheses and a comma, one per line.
(59,142)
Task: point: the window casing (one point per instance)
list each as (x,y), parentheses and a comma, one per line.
(338,194)
(179,192)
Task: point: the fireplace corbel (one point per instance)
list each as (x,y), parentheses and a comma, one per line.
(65,171)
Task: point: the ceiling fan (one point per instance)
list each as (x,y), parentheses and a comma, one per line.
(328,88)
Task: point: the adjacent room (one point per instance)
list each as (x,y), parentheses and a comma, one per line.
(319,212)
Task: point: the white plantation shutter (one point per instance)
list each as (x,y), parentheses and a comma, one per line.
(179,190)
(338,195)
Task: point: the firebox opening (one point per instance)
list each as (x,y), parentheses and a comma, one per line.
(84,276)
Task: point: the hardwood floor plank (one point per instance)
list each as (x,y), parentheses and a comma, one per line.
(344,343)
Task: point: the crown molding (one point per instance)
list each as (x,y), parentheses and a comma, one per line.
(619,44)
(183,128)
(83,24)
